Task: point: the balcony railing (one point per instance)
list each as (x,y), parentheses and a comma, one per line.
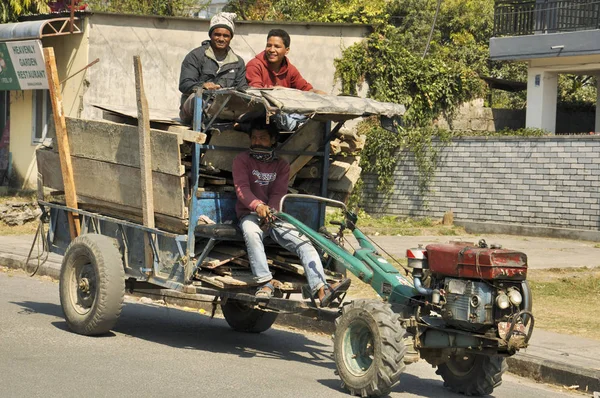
(517,18)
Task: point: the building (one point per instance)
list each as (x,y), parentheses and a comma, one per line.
(207,12)
(554,37)
(162,43)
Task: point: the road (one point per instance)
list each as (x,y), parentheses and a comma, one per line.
(157,351)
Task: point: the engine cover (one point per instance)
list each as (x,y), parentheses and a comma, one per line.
(464,260)
(469,304)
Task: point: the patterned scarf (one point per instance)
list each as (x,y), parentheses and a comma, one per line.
(262,153)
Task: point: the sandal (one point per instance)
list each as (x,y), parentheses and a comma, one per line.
(265,291)
(334,292)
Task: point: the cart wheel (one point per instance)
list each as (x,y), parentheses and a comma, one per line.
(368,348)
(92,284)
(243,318)
(470,374)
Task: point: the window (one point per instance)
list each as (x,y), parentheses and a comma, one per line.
(42,115)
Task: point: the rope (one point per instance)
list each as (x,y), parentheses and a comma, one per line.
(45,252)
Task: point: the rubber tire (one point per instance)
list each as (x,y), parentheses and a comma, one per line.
(100,252)
(242,318)
(387,337)
(484,375)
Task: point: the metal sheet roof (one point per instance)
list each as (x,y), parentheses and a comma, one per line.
(37,29)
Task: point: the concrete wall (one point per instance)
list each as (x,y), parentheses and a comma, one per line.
(547,183)
(473,116)
(162,44)
(21,129)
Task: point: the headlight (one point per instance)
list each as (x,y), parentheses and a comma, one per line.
(515,297)
(503,301)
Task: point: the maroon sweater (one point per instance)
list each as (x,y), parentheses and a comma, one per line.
(259,75)
(258,182)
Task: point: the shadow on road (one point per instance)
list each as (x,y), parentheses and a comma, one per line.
(409,384)
(188,330)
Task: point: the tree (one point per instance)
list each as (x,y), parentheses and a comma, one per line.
(150,7)
(10,10)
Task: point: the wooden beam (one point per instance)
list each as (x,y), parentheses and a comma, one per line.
(145,158)
(302,160)
(62,140)
(119,143)
(188,135)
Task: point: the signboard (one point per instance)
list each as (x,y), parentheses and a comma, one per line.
(22,66)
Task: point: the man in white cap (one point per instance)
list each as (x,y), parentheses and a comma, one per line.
(211,66)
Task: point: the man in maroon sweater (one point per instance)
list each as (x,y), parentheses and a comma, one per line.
(272,68)
(261,180)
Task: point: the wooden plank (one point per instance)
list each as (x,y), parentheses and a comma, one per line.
(346,184)
(119,143)
(211,179)
(114,183)
(215,259)
(226,282)
(233,251)
(290,267)
(229,270)
(164,222)
(337,170)
(224,159)
(309,172)
(188,134)
(241,261)
(63,141)
(310,132)
(145,159)
(302,160)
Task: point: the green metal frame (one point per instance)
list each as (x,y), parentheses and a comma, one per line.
(366,263)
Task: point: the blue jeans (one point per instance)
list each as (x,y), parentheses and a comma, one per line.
(288,237)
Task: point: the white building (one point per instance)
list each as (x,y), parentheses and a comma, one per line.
(553,37)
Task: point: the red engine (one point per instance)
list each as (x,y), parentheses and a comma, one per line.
(466,260)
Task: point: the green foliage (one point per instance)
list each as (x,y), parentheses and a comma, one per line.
(149,7)
(383,151)
(10,10)
(524,132)
(427,86)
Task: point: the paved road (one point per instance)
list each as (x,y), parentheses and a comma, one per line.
(158,351)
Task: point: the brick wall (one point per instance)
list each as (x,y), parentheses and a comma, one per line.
(545,182)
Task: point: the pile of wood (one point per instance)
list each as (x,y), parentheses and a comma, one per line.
(227,266)
(344,169)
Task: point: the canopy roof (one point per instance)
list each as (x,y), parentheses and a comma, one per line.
(231,104)
(37,29)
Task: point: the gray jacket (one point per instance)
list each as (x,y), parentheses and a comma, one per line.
(200,66)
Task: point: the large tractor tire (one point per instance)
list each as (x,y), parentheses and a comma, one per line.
(471,374)
(243,318)
(368,348)
(92,284)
